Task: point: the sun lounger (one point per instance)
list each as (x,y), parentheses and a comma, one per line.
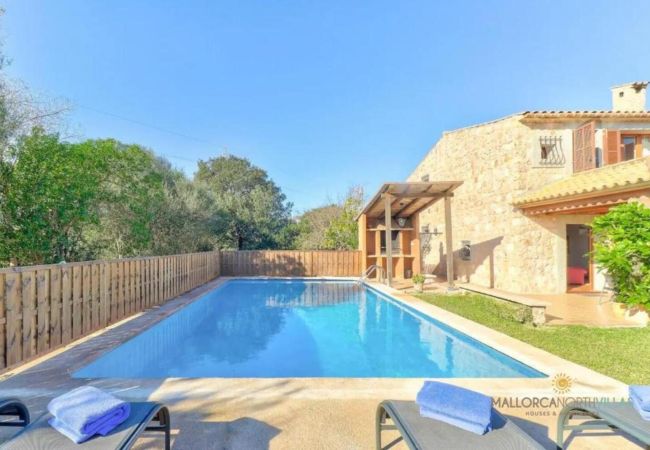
(40,434)
(12,407)
(421,433)
(612,416)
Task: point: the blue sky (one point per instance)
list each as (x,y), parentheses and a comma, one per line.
(323,95)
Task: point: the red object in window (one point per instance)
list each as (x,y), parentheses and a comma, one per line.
(576,275)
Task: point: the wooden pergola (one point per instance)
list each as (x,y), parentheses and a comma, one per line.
(395,208)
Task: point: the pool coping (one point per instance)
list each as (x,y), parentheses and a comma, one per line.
(536,358)
(51,374)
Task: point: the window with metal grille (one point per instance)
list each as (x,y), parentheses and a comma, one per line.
(551,152)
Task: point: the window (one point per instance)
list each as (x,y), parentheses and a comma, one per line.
(546,151)
(625,145)
(424,178)
(599,157)
(629,142)
(550,151)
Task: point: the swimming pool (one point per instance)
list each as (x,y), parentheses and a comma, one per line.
(302,328)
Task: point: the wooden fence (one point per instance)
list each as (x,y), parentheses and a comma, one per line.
(281,263)
(45,307)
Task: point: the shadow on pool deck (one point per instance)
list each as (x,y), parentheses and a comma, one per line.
(242,433)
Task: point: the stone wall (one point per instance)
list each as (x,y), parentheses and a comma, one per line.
(498,162)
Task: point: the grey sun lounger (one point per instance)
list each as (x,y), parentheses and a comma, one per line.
(421,433)
(39,434)
(613,416)
(12,407)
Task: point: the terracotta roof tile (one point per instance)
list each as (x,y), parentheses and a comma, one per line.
(616,177)
(585,115)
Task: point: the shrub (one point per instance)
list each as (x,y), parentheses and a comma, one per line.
(622,248)
(418,278)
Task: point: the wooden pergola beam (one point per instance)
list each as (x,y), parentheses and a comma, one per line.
(423,206)
(404,208)
(422,195)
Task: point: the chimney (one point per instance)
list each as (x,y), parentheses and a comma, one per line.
(629,97)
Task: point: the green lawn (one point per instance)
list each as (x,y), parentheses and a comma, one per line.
(621,353)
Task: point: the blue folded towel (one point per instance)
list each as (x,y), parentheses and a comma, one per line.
(457,406)
(86,411)
(642,394)
(640,397)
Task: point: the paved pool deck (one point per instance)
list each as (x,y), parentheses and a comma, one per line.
(305,413)
(575,308)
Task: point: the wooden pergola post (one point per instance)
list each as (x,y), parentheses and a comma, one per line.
(449,242)
(388,200)
(363,245)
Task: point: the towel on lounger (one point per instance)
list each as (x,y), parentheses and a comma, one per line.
(456,406)
(640,397)
(642,394)
(87,411)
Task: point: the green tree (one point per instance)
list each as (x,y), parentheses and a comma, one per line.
(48,192)
(149,208)
(250,211)
(182,221)
(95,199)
(342,233)
(132,191)
(622,247)
(312,226)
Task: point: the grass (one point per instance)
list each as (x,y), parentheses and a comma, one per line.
(621,353)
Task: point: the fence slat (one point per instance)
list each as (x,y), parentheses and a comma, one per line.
(43,310)
(104,294)
(77,297)
(66,304)
(95,296)
(86,305)
(29,314)
(13,295)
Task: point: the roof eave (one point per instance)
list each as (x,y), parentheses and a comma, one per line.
(583,196)
(567,116)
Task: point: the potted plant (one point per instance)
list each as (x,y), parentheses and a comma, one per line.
(418,282)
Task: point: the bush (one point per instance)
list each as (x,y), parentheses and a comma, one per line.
(622,248)
(418,278)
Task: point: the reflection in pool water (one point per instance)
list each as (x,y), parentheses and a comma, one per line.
(298,328)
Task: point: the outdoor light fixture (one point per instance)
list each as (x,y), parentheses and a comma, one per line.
(466,251)
(401,221)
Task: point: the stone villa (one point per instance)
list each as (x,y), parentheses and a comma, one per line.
(532,183)
(525,190)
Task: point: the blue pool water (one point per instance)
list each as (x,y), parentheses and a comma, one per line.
(298,328)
